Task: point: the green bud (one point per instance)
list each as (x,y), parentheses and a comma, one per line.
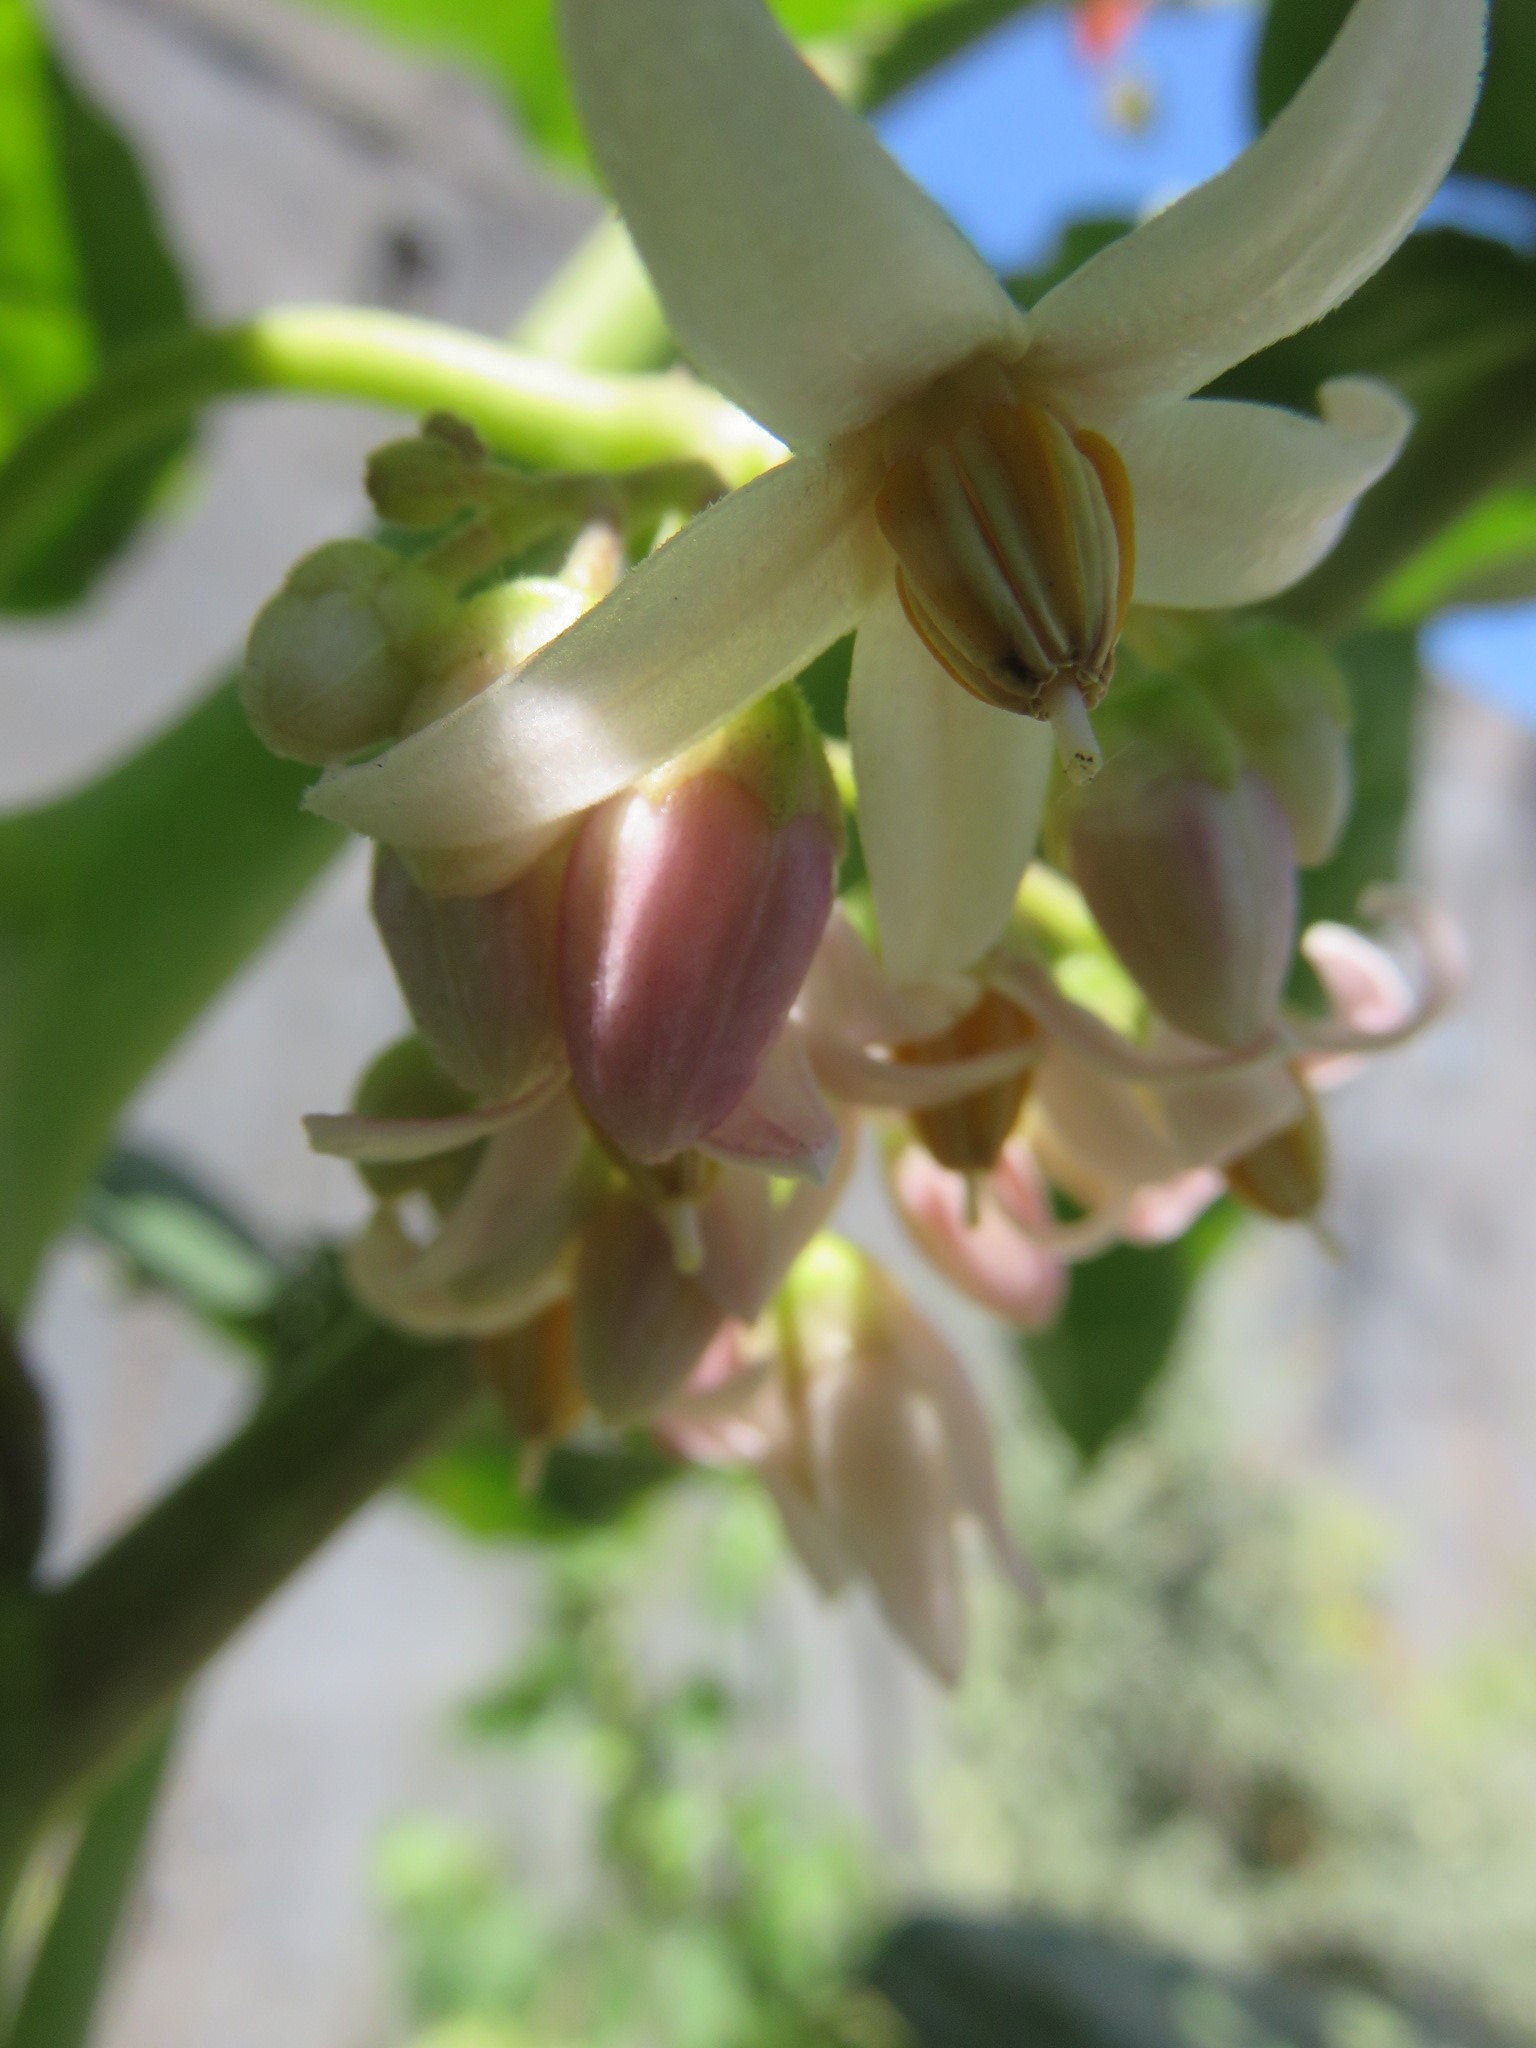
(333,659)
(429,479)
(1286,699)
(405,1081)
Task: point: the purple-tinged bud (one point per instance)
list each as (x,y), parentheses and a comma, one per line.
(1186,860)
(1286,699)
(478,972)
(692,909)
(1286,1176)
(334,659)
(639,1325)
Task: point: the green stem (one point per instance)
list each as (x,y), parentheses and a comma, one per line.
(119,1642)
(527,408)
(600,311)
(63,1986)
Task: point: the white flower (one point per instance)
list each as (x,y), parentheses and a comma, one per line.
(975,490)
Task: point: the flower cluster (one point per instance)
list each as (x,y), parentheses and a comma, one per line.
(668,954)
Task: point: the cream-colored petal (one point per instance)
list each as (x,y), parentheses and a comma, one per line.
(383,1271)
(744,596)
(950,796)
(1290,230)
(1236,502)
(888,1493)
(801,269)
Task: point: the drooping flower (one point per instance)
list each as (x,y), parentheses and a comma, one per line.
(977,491)
(868,1434)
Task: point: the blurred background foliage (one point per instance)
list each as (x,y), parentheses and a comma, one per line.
(1224,1811)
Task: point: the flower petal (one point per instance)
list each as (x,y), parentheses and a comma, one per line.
(383,1271)
(1290,230)
(782,1123)
(384,1140)
(1235,502)
(744,596)
(950,796)
(801,269)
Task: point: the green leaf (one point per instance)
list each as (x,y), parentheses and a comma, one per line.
(1097,1366)
(123,910)
(174,1235)
(1502,142)
(1488,556)
(1051,1984)
(85,274)
(1451,322)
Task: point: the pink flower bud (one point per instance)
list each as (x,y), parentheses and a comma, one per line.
(692,909)
(639,1325)
(1187,861)
(478,972)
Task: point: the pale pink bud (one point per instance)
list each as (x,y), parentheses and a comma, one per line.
(691,912)
(639,1325)
(976,1243)
(1187,861)
(478,972)
(882,1449)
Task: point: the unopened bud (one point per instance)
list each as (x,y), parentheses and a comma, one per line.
(425,480)
(1284,696)
(478,972)
(1287,1175)
(1186,859)
(639,1325)
(405,1082)
(532,1374)
(692,909)
(334,658)
(967,1136)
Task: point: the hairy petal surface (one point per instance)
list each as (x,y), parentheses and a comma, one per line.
(1299,222)
(744,597)
(800,267)
(1236,502)
(950,796)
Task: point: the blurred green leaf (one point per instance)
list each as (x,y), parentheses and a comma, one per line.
(24,1463)
(1050,1984)
(1098,1364)
(85,274)
(124,908)
(1502,143)
(1486,557)
(1451,322)
(173,1234)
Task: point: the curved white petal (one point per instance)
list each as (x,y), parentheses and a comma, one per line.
(801,269)
(744,596)
(1290,230)
(782,1124)
(1236,502)
(950,796)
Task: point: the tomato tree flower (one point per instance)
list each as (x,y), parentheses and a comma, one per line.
(976,490)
